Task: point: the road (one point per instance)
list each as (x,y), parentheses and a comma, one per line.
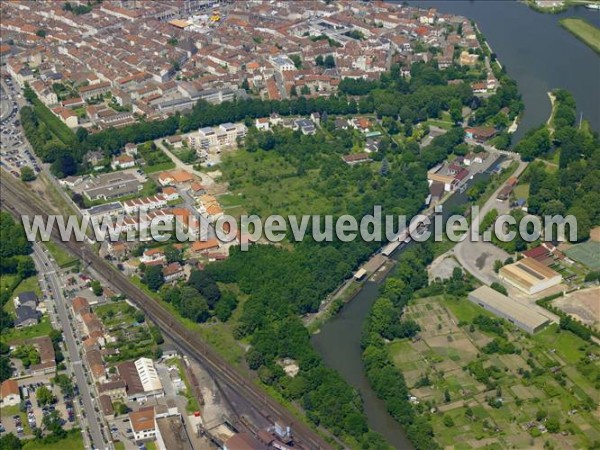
(206,180)
(463,251)
(92,417)
(21,201)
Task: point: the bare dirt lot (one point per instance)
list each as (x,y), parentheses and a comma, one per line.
(583,305)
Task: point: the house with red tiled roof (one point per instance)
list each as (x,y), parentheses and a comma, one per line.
(9,393)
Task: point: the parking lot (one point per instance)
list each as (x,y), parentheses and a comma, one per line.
(14,150)
(22,423)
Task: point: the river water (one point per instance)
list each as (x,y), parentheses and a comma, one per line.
(540,55)
(338,342)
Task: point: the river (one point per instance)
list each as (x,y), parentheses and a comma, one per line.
(540,55)
(338,343)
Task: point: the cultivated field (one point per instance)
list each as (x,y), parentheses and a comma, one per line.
(509,399)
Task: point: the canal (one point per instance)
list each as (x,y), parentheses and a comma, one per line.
(540,55)
(338,343)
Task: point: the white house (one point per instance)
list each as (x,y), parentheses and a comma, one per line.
(9,393)
(262,124)
(122,162)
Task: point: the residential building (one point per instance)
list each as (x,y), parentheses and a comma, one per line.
(217,138)
(153,255)
(145,204)
(142,424)
(122,162)
(26,317)
(9,393)
(173,272)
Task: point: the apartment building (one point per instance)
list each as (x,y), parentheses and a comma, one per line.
(217,138)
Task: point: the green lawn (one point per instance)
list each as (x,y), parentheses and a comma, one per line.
(41,329)
(445,125)
(62,257)
(584,31)
(522,191)
(73,441)
(230,200)
(464,310)
(7,281)
(158,167)
(29,284)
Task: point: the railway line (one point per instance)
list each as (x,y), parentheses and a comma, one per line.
(19,201)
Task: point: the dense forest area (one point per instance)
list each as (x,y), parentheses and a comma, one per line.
(574,186)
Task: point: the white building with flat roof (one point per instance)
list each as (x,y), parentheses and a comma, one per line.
(523,316)
(149,377)
(217,138)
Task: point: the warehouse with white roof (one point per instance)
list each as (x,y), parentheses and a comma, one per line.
(523,316)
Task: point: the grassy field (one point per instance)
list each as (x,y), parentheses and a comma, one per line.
(28,284)
(522,191)
(270,183)
(41,329)
(62,257)
(587,253)
(551,373)
(584,31)
(73,441)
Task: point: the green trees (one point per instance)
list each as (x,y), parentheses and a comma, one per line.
(10,442)
(499,287)
(173,254)
(27,174)
(153,277)
(65,383)
(96,288)
(44,396)
(387,381)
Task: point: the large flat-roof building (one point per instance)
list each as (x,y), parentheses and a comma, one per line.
(530,276)
(507,308)
(171,434)
(111,185)
(216,138)
(149,377)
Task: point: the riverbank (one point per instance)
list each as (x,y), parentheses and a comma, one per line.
(555,6)
(583,30)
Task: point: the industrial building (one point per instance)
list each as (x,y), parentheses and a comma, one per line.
(507,308)
(530,275)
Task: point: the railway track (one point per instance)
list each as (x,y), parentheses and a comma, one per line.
(19,201)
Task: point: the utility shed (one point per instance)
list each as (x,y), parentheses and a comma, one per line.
(507,308)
